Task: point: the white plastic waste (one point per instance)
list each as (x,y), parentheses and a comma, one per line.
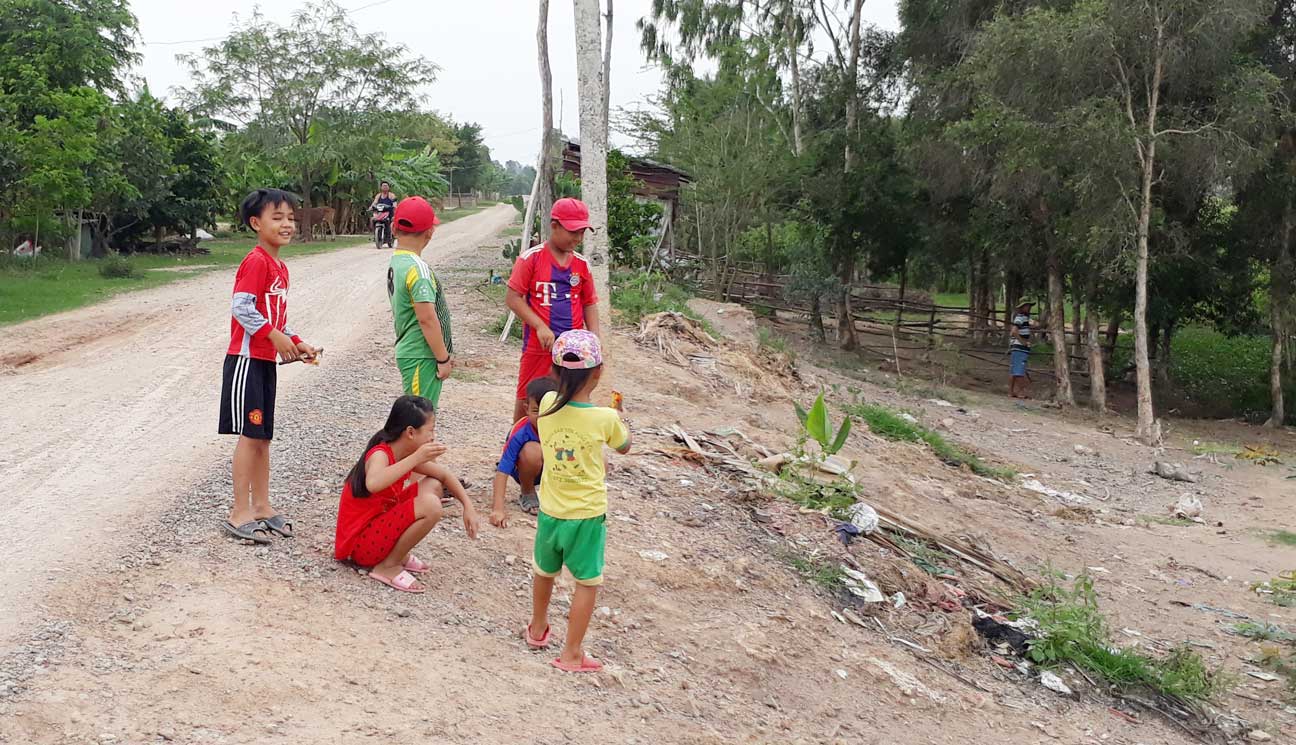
(863,517)
(1052,682)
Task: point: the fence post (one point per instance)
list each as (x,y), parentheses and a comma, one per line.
(931,328)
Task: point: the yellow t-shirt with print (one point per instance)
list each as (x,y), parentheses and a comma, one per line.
(573,484)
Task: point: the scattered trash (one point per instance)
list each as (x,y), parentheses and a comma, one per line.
(203,235)
(1052,682)
(1189,508)
(1266,677)
(1280,590)
(653,555)
(1001,634)
(898,600)
(863,517)
(861,586)
(840,673)
(941,403)
(1048,491)
(1085,450)
(1211,609)
(838,616)
(846,532)
(908,417)
(1259,455)
(1174,472)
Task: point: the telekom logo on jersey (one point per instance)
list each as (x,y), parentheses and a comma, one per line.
(548,291)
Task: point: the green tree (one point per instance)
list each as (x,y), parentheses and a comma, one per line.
(294,81)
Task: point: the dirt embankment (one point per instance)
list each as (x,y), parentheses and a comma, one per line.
(710,628)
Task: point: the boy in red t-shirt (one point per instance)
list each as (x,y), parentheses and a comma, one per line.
(258,332)
(552,291)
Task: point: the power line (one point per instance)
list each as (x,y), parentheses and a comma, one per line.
(218,38)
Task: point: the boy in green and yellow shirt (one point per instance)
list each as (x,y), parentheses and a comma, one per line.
(424,349)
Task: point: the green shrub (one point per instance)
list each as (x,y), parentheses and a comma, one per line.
(117,267)
(643,294)
(1073,630)
(884,422)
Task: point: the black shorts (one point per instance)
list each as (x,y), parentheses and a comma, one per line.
(248,397)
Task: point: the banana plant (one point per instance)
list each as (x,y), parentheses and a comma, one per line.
(818,428)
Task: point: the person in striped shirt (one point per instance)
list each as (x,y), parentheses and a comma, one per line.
(552,291)
(424,346)
(259,333)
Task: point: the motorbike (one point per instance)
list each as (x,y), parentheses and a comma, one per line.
(381,219)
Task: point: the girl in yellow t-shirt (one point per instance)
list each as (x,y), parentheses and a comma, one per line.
(570,529)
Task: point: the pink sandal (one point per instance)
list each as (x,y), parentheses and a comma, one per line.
(416,565)
(535,643)
(404,582)
(587,665)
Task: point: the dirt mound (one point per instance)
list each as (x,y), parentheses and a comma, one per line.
(722,364)
(735,322)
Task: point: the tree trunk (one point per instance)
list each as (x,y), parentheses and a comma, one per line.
(816,319)
(1163,354)
(1097,376)
(852,76)
(1077,311)
(307,188)
(794,53)
(846,337)
(1012,295)
(594,137)
(1113,334)
(904,282)
(972,297)
(1057,311)
(1278,278)
(545,164)
(1147,430)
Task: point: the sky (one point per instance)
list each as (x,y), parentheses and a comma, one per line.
(485,49)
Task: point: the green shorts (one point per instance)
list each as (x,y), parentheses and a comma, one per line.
(576,543)
(420,378)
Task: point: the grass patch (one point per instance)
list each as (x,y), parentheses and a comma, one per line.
(770,342)
(1280,590)
(924,390)
(889,424)
(30,288)
(514,231)
(1074,631)
(497,328)
(1176,522)
(1284,537)
(827,575)
(1263,632)
(1215,448)
(930,560)
(834,497)
(637,295)
(468,376)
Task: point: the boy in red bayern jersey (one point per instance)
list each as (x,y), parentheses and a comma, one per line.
(258,332)
(552,291)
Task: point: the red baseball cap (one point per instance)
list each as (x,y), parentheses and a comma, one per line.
(572,214)
(414,215)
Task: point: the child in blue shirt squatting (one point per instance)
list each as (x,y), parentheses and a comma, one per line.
(523,459)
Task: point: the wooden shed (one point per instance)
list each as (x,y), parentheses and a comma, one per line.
(656,181)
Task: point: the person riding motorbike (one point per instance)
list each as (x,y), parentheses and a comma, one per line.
(383,214)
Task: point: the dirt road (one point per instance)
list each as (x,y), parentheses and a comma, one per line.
(110,409)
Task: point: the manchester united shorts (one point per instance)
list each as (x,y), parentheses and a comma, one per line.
(247,397)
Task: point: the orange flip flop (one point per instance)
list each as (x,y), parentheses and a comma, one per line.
(587,665)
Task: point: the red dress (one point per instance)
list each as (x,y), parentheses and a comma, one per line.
(368,527)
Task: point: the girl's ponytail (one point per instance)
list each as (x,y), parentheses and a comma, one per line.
(408,411)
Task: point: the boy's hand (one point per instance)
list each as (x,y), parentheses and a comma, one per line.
(284,346)
(471,521)
(546,337)
(445,368)
(431,451)
(499,518)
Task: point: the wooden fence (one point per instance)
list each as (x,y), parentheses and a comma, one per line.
(913,320)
